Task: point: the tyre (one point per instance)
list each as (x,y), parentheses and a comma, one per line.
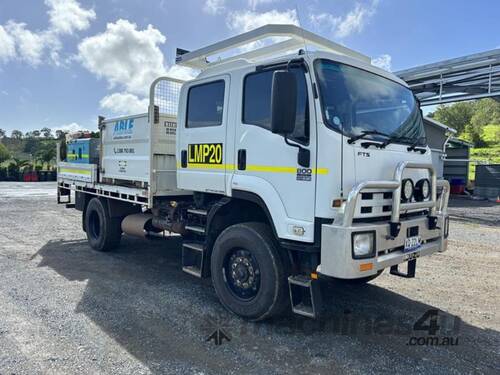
(103,232)
(250,272)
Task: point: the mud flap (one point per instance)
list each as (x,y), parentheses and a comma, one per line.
(410,272)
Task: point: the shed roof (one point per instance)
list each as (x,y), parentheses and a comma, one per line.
(438,124)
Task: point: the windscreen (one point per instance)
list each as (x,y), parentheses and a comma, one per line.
(356,101)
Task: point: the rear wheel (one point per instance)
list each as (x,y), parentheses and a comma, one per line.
(249,271)
(103,232)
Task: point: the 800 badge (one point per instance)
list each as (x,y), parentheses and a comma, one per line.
(205,153)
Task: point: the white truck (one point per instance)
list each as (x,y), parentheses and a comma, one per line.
(279,166)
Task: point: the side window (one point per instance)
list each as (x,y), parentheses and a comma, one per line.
(257,102)
(205,105)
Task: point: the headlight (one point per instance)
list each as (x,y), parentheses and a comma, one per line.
(422,189)
(407,189)
(363,245)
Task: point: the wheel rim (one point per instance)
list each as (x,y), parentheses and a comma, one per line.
(242,274)
(95,225)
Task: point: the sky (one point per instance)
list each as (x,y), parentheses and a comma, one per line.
(64,62)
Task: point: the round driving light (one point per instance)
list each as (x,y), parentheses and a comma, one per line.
(422,189)
(406,189)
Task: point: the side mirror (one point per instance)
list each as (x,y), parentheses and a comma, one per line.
(283,102)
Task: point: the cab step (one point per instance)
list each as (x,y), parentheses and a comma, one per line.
(193,258)
(195,229)
(196,211)
(305,296)
(410,271)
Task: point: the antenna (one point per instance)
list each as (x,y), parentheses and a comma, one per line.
(302,30)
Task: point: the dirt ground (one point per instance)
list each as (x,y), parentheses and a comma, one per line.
(67,309)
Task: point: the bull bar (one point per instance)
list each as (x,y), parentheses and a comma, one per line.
(336,245)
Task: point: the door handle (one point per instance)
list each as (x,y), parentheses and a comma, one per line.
(242,160)
(184,158)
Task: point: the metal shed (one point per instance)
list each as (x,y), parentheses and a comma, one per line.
(487,181)
(456,164)
(437,134)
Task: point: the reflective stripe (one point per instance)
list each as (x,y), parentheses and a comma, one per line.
(253,168)
(74,171)
(75,156)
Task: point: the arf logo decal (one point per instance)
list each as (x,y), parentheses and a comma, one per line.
(123,129)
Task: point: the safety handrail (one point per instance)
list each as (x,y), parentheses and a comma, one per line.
(395,186)
(396,195)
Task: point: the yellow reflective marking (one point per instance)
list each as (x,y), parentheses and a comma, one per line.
(75,156)
(74,171)
(252,168)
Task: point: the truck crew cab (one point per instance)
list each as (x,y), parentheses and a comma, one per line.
(280,166)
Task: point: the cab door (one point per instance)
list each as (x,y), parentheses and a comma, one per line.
(202,151)
(265,164)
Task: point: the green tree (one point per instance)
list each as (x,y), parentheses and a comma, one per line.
(16,134)
(31,145)
(2,133)
(47,132)
(4,153)
(46,152)
(486,111)
(60,134)
(457,115)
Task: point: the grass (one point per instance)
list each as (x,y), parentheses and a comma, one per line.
(489,155)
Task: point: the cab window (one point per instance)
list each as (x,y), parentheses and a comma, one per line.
(205,105)
(257,103)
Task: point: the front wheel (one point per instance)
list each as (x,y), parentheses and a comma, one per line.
(249,272)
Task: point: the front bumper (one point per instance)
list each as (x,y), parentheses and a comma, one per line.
(336,239)
(336,247)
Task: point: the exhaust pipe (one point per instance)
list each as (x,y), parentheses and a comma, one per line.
(137,225)
(146,225)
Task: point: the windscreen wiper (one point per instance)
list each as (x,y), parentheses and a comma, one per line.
(364,133)
(413,146)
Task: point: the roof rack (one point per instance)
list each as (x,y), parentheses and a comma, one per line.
(297,38)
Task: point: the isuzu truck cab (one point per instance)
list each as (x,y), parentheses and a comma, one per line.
(294,162)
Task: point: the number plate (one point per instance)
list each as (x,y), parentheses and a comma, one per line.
(412,243)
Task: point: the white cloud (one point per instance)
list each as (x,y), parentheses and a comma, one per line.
(130,59)
(343,26)
(383,61)
(69,128)
(17,41)
(255,3)
(242,21)
(30,46)
(214,7)
(124,55)
(181,72)
(8,47)
(67,16)
(355,20)
(124,103)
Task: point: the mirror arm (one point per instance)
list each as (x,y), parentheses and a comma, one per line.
(287,141)
(304,154)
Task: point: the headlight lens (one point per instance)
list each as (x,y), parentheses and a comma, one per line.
(422,189)
(407,189)
(363,245)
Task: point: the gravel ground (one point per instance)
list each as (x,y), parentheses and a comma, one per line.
(68,309)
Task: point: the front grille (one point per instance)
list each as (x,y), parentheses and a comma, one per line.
(377,205)
(373,204)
